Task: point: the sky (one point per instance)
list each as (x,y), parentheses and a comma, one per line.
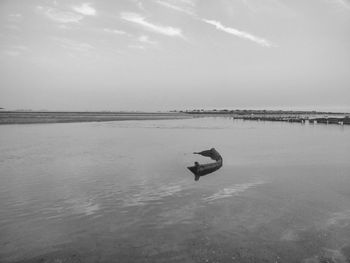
(175,54)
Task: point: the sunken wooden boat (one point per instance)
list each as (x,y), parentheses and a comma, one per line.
(203,169)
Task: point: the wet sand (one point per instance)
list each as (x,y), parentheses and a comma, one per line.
(17,117)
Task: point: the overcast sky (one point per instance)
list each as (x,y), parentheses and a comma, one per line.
(174,54)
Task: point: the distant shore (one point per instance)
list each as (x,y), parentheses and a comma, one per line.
(37,117)
(34,117)
(312,117)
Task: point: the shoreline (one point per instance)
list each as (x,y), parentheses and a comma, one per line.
(312,117)
(12,117)
(45,117)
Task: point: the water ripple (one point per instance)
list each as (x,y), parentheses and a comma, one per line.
(147,195)
(230,191)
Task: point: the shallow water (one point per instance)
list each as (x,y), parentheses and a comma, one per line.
(120,192)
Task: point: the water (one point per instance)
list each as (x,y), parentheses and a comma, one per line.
(120,192)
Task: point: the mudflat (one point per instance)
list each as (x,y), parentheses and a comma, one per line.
(17,117)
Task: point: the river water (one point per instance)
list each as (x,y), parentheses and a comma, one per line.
(120,192)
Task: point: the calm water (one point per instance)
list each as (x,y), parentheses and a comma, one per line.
(120,192)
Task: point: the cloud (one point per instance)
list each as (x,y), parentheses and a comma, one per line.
(73,45)
(115,31)
(187,2)
(140,20)
(85,9)
(59,15)
(139,4)
(240,34)
(146,40)
(143,42)
(187,9)
(15,17)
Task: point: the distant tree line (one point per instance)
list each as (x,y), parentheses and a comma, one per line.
(250,112)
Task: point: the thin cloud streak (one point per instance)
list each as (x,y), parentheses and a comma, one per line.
(140,20)
(146,40)
(60,16)
(177,8)
(115,31)
(15,17)
(73,45)
(85,9)
(240,34)
(191,3)
(189,11)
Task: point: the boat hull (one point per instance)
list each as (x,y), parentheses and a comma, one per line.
(204,169)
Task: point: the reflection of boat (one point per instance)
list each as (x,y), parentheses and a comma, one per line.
(203,169)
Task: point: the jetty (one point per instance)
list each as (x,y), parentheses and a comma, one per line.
(311,117)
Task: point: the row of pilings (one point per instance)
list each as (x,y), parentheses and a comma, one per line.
(311,120)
